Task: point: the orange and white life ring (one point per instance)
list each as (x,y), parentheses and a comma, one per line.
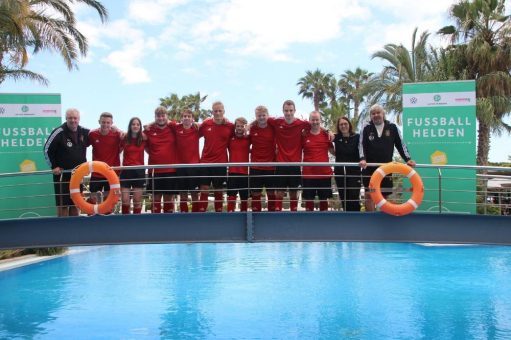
(391,208)
(76,180)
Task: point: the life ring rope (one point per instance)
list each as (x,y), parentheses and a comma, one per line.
(85,169)
(389,207)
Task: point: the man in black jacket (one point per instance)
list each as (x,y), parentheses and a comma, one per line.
(377,142)
(65,149)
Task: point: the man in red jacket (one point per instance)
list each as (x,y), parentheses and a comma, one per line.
(187,149)
(161,149)
(262,138)
(106,147)
(217,133)
(288,135)
(237,181)
(316,180)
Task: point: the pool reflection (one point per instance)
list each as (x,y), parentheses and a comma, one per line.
(271,290)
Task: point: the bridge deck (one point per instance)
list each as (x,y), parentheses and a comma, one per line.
(254,227)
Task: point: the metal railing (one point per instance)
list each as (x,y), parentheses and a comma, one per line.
(30,194)
(458,202)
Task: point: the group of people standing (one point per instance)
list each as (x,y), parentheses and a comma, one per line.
(265,140)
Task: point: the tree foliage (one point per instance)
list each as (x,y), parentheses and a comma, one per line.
(480,39)
(353,85)
(335,97)
(31,26)
(401,66)
(175,105)
(317,86)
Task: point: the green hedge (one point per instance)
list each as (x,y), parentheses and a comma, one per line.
(11,253)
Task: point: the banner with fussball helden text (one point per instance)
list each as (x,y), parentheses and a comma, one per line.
(26,121)
(439,127)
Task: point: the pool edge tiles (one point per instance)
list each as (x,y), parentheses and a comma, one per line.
(27,260)
(447,244)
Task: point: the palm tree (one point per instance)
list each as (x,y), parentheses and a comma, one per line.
(315,85)
(335,110)
(333,92)
(446,64)
(481,39)
(403,66)
(353,85)
(193,102)
(175,105)
(29,25)
(9,23)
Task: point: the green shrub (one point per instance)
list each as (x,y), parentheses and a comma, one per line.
(10,253)
(50,251)
(490,209)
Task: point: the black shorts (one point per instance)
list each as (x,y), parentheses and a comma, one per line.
(261,178)
(133,178)
(61,188)
(98,184)
(215,176)
(386,184)
(317,186)
(350,181)
(188,179)
(163,183)
(288,177)
(237,183)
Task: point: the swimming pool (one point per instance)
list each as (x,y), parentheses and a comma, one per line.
(271,290)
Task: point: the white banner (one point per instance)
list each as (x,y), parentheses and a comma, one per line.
(30,110)
(437,99)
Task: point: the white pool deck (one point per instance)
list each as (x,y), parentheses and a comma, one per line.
(25,260)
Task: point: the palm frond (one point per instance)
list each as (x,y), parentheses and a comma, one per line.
(19,74)
(33,24)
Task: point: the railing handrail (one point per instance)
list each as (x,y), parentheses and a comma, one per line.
(486,176)
(267,164)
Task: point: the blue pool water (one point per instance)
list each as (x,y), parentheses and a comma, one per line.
(281,290)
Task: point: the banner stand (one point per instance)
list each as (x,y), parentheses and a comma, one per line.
(439,127)
(26,121)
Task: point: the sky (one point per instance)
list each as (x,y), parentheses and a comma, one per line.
(242,52)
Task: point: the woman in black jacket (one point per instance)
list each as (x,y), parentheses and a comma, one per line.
(347,177)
